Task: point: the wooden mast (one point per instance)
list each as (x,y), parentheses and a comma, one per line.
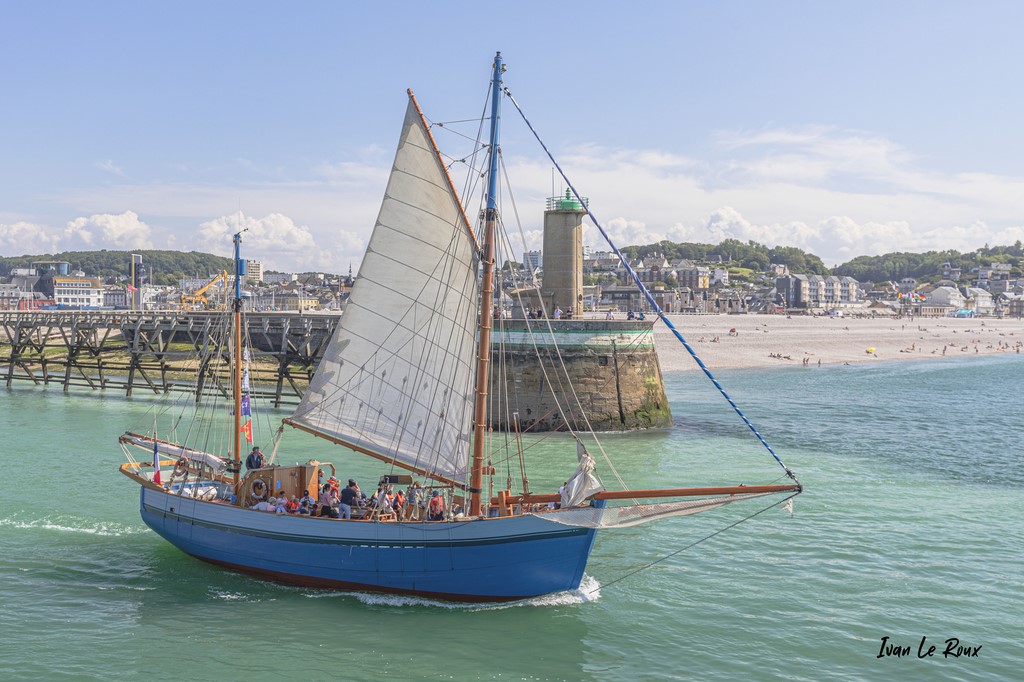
(237,357)
(486,298)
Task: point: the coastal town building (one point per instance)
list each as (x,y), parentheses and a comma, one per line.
(278,277)
(946,297)
(693,276)
(533,261)
(907,284)
(1015,306)
(115,297)
(979,300)
(253,271)
(10,296)
(295,301)
(83,292)
(950,272)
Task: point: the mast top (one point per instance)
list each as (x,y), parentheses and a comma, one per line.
(492,173)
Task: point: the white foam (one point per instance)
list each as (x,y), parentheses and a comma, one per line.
(588,591)
(101,529)
(233,596)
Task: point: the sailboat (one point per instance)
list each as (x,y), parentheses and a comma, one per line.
(404,380)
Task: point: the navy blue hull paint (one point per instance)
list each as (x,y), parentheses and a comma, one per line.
(483,560)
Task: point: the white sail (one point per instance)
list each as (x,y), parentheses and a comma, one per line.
(397,377)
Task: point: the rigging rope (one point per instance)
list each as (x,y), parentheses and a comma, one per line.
(558,365)
(692,544)
(647,294)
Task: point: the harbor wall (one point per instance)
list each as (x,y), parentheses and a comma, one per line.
(607,370)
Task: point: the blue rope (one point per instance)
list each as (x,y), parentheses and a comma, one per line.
(648,296)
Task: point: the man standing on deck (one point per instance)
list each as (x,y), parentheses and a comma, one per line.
(255,460)
(349,499)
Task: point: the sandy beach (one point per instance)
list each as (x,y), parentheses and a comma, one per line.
(775,340)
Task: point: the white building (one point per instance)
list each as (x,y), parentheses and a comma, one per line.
(980,301)
(946,296)
(254,271)
(77,292)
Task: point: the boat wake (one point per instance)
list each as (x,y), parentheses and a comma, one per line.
(588,591)
(72,525)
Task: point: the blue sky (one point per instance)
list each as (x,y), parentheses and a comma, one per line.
(844,128)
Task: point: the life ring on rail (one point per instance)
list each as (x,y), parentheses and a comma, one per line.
(180,468)
(258,490)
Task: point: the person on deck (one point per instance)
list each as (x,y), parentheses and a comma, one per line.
(349,499)
(256,459)
(416,501)
(360,495)
(328,502)
(435,510)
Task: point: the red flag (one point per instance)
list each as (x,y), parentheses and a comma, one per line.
(247,430)
(156,464)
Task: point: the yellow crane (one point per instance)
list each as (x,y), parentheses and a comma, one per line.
(198,300)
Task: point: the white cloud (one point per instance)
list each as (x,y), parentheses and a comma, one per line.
(280,243)
(23,238)
(106,231)
(834,192)
(837,193)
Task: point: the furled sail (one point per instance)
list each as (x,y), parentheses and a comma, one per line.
(397,377)
(633,515)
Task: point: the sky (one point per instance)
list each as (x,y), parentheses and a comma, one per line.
(844,128)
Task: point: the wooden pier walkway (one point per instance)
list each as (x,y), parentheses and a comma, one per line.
(125,351)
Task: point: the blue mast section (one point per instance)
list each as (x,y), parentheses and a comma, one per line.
(239,271)
(492,174)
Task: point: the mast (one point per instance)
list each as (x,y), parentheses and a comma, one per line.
(236,319)
(486,300)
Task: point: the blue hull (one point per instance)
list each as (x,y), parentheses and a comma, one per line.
(482,560)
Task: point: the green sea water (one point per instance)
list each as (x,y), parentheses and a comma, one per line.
(910,528)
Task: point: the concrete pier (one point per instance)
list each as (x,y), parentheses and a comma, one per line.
(607,378)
